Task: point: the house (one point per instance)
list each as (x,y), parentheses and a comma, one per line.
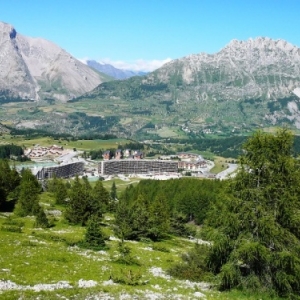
(138,155)
(118,154)
(127,152)
(106,155)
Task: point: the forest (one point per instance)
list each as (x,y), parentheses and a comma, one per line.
(251,222)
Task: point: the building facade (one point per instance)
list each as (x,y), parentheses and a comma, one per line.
(137,166)
(60,171)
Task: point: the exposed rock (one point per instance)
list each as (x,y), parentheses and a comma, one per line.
(35,69)
(246,84)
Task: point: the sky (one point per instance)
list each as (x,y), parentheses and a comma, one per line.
(141,35)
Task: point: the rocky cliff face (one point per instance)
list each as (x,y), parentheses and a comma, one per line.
(34,68)
(247,83)
(257,68)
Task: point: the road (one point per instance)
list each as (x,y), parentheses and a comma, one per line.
(229,172)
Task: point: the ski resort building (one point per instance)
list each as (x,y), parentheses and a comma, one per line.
(60,171)
(137,166)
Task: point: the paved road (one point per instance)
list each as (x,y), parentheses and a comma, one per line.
(228,172)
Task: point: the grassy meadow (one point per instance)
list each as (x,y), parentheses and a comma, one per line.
(40,263)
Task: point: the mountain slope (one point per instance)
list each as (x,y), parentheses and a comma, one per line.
(34,68)
(112,71)
(247,84)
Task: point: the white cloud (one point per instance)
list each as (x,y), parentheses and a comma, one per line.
(137,65)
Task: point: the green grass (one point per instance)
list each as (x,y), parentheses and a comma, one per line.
(220,165)
(48,256)
(86,145)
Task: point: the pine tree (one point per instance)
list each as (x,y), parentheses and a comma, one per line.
(256,244)
(123,219)
(41,219)
(139,218)
(159,219)
(94,238)
(28,195)
(113,191)
(100,199)
(61,192)
(9,181)
(76,210)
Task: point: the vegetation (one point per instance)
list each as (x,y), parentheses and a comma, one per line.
(251,223)
(257,244)
(254,224)
(12,152)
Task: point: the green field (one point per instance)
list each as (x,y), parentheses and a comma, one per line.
(83,145)
(36,259)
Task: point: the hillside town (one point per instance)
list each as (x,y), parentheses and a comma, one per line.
(66,163)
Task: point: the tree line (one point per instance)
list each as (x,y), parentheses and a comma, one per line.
(252,220)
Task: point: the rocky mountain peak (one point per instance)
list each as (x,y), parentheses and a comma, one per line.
(261,43)
(7,31)
(37,69)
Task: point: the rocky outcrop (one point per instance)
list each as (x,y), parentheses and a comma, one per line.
(246,84)
(36,69)
(257,68)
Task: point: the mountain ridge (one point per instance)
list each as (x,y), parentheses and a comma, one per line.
(112,71)
(37,69)
(247,84)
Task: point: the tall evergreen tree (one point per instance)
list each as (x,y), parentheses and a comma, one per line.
(257,239)
(140,218)
(41,218)
(28,200)
(9,181)
(76,210)
(159,218)
(61,192)
(94,237)
(123,224)
(113,191)
(100,199)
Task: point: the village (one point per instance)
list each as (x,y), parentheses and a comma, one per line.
(66,163)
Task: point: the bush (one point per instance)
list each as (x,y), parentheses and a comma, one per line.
(125,257)
(11,228)
(129,278)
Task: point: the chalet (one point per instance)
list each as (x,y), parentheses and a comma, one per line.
(138,155)
(118,154)
(127,152)
(106,155)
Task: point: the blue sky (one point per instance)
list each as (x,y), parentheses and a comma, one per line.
(140,34)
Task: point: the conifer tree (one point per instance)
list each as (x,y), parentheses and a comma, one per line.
(9,181)
(100,199)
(76,210)
(61,192)
(94,237)
(256,244)
(28,195)
(123,218)
(113,191)
(159,218)
(140,218)
(41,219)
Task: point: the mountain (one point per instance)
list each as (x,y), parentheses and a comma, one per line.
(36,69)
(248,84)
(112,71)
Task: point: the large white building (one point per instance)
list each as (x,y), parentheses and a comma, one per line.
(137,166)
(60,171)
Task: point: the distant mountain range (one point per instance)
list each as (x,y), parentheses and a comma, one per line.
(248,84)
(245,85)
(112,71)
(36,69)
